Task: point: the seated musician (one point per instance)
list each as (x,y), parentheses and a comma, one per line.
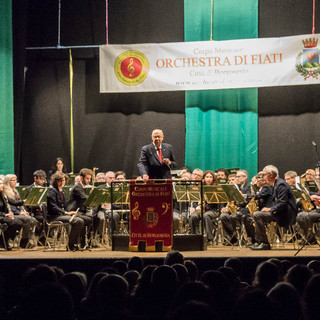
(104,211)
(120,175)
(17,207)
(197,174)
(211,210)
(7,218)
(231,221)
(262,198)
(78,197)
(307,211)
(232,178)
(58,166)
(39,177)
(100,177)
(56,205)
(181,209)
(222,174)
(283,209)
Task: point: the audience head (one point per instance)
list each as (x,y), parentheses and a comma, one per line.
(182,273)
(164,280)
(132,277)
(298,275)
(314,266)
(266,276)
(235,264)
(121,266)
(286,301)
(48,301)
(173,257)
(311,297)
(192,270)
(135,263)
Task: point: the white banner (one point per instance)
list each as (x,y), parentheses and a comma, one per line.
(207,65)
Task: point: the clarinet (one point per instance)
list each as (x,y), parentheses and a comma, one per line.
(8,205)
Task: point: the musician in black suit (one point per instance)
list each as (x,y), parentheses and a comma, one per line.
(56,205)
(78,197)
(283,210)
(156,159)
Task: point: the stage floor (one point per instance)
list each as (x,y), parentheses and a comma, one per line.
(211,252)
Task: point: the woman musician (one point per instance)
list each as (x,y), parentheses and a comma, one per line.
(8,218)
(56,204)
(20,213)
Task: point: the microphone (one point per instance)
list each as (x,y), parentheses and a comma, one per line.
(314,144)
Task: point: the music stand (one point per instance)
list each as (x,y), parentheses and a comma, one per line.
(98,197)
(120,194)
(35,197)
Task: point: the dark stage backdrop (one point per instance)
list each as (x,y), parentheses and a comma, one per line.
(110,129)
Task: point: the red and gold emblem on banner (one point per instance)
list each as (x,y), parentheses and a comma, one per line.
(131,67)
(151,215)
(308,62)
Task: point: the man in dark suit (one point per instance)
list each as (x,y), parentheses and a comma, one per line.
(283,210)
(156,159)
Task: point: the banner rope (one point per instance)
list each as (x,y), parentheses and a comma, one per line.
(107,22)
(313,16)
(71,112)
(211,34)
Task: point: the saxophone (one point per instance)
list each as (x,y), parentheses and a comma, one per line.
(252,206)
(231,207)
(306,200)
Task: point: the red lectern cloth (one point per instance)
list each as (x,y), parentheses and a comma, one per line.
(151,214)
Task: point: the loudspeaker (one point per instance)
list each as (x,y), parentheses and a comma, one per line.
(181,242)
(120,242)
(189,242)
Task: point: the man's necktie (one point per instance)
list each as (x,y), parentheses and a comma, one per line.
(160,155)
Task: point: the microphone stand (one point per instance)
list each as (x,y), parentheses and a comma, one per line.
(317,153)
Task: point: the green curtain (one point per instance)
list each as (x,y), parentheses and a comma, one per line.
(6,89)
(221,125)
